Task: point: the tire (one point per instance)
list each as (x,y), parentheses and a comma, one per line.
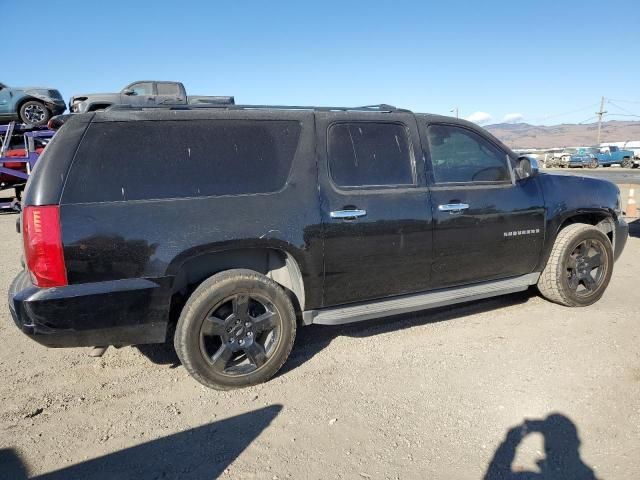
(221,330)
(34,113)
(627,163)
(565,267)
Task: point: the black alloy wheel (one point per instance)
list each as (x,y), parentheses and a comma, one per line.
(240,334)
(236,329)
(579,267)
(587,267)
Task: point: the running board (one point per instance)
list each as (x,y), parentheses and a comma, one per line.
(422,301)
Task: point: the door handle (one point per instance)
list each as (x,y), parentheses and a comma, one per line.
(453,207)
(348,214)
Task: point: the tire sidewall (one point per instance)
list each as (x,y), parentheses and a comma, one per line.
(30,102)
(214,291)
(563,281)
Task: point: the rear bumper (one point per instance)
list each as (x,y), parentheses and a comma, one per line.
(119,312)
(620,237)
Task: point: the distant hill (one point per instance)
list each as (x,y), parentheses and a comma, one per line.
(523,135)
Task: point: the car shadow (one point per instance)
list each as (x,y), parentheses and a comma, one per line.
(315,338)
(634,227)
(201,452)
(561,448)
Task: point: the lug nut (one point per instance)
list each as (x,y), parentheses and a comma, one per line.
(247,324)
(241,342)
(249,334)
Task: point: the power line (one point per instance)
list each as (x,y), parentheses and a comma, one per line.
(623,109)
(566,113)
(623,115)
(625,101)
(592,117)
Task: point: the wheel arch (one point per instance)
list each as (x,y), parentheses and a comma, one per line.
(93,107)
(603,219)
(25,99)
(277,264)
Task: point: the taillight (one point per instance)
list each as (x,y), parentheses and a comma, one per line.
(43,246)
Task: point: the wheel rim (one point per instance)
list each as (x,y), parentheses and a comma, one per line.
(587,267)
(34,113)
(240,334)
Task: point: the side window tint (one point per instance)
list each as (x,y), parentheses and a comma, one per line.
(142,160)
(370,154)
(168,89)
(459,155)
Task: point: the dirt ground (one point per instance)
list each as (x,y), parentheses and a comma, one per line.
(426,396)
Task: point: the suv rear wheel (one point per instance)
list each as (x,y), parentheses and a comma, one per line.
(579,268)
(237,329)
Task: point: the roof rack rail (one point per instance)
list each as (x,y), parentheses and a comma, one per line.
(382,107)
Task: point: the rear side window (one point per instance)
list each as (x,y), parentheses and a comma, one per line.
(459,155)
(171,159)
(168,89)
(370,154)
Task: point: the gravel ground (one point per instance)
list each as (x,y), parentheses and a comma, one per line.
(431,396)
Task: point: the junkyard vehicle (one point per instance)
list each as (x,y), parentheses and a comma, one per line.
(20,147)
(30,105)
(232,226)
(607,156)
(579,157)
(143,93)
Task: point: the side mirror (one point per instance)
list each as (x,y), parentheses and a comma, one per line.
(527,167)
(128,91)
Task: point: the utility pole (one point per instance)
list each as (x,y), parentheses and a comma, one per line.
(600,115)
(456,110)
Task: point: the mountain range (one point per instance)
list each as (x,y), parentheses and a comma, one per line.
(523,135)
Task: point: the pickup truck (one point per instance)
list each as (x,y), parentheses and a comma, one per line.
(579,157)
(610,155)
(143,93)
(30,105)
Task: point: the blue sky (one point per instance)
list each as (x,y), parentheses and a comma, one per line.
(538,59)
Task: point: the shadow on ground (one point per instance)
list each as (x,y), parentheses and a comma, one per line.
(202,452)
(315,338)
(561,447)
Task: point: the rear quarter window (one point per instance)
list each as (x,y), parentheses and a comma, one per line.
(141,160)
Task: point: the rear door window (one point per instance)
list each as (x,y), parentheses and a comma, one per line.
(171,159)
(170,89)
(369,154)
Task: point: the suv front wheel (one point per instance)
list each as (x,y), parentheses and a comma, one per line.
(236,330)
(579,268)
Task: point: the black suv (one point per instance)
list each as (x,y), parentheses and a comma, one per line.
(231,226)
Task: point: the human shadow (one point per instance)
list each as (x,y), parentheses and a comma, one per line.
(561,446)
(201,452)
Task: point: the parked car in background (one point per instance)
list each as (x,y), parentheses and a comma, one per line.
(29,105)
(234,226)
(607,156)
(143,93)
(579,157)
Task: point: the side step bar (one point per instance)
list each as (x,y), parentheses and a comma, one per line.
(421,301)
